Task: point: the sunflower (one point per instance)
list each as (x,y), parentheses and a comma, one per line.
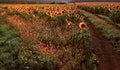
(82,25)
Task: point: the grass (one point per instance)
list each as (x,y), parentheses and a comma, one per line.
(9,46)
(105,18)
(108,19)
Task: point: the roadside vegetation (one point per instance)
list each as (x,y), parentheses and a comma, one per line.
(112,14)
(108,31)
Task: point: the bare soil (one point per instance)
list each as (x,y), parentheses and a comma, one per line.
(108,58)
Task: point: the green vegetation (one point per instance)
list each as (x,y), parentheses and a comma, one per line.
(74,19)
(108,19)
(96,10)
(75,39)
(14,55)
(107,30)
(105,18)
(73,45)
(23,15)
(9,47)
(114,15)
(40,14)
(61,20)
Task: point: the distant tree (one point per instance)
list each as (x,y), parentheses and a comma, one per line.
(22,1)
(53,2)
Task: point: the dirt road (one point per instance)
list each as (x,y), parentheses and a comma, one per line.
(108,58)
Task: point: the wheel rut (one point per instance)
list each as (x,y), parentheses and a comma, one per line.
(108,58)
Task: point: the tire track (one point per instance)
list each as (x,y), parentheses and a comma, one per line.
(109,59)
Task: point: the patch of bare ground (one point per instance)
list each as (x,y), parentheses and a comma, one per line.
(27,29)
(108,58)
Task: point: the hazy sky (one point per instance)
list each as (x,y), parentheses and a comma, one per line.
(63,0)
(37,0)
(51,0)
(54,0)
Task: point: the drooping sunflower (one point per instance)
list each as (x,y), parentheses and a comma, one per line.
(82,25)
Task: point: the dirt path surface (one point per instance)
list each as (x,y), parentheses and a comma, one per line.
(101,20)
(108,58)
